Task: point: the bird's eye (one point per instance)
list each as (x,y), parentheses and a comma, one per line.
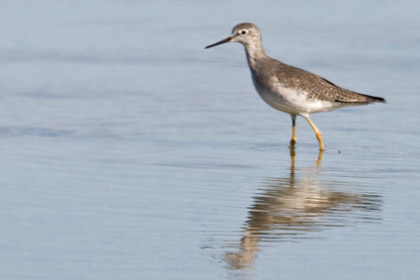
(242,32)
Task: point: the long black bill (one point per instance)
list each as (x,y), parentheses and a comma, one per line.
(220,42)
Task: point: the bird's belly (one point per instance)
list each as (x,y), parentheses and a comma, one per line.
(293,101)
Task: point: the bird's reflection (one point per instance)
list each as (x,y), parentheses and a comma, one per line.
(290,208)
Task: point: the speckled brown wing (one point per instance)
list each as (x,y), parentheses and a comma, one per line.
(320,88)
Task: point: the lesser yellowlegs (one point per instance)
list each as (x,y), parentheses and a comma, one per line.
(290,89)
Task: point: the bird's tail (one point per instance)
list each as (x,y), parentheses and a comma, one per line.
(370,98)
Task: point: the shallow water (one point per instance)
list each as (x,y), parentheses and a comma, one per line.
(130,152)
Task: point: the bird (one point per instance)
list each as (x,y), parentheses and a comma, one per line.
(290,89)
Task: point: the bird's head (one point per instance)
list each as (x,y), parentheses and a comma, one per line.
(245,33)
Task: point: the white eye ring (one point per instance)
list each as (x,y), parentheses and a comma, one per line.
(242,32)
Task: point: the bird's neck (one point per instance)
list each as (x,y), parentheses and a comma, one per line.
(254,52)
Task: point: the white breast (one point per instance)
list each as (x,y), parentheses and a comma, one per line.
(293,101)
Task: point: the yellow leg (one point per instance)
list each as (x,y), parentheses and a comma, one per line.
(294,139)
(319,160)
(293,159)
(317,132)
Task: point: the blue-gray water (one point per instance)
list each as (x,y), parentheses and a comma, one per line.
(130,152)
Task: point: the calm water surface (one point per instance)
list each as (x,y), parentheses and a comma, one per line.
(130,152)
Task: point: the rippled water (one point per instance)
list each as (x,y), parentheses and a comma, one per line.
(289,209)
(130,152)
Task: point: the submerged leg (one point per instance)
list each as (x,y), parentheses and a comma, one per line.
(317,132)
(319,160)
(294,139)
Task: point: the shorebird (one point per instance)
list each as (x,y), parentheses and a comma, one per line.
(290,89)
